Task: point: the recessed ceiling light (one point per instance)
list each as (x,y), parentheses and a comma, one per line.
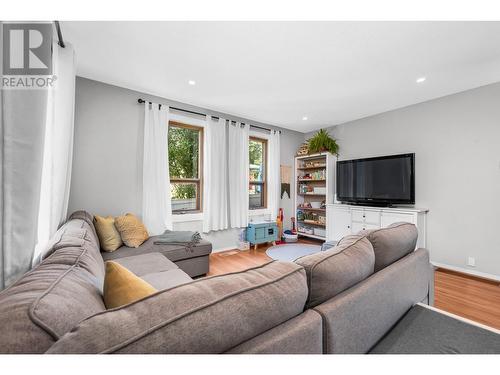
(304,118)
(191,82)
(421,79)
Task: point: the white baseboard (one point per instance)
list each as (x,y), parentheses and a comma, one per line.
(467,271)
(221,249)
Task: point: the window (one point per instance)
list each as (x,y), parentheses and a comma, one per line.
(185,152)
(258,161)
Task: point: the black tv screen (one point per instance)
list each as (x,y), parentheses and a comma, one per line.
(382,180)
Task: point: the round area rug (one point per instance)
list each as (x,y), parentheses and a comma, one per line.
(291,251)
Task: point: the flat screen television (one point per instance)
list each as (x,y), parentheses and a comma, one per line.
(384,181)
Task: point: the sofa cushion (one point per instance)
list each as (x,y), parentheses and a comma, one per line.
(53,297)
(181,319)
(76,247)
(146,263)
(74,233)
(45,304)
(122,287)
(333,271)
(392,243)
(155,269)
(167,279)
(84,220)
(172,252)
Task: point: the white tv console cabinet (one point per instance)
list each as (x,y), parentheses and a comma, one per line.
(344,219)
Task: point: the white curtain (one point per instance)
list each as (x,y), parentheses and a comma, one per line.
(215,216)
(274,173)
(23,118)
(58,148)
(238,174)
(156,203)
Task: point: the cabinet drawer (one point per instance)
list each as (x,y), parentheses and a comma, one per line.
(372,217)
(358,215)
(389,218)
(357,227)
(362,216)
(260,233)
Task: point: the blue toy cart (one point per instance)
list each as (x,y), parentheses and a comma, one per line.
(262,232)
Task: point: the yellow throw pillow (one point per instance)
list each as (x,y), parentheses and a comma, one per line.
(132,230)
(109,237)
(122,287)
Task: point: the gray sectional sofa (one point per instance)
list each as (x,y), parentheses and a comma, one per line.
(329,302)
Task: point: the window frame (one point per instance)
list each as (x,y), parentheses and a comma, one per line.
(198,181)
(262,183)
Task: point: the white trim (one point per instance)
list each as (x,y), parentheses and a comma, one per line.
(258,212)
(465,320)
(261,211)
(467,271)
(182,218)
(227,248)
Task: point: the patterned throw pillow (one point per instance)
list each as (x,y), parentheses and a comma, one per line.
(132,230)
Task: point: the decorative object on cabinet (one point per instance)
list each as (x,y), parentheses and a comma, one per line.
(303,149)
(322,142)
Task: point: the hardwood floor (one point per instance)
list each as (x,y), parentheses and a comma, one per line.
(470,297)
(235,260)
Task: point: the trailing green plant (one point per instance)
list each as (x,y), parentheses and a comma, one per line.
(321,142)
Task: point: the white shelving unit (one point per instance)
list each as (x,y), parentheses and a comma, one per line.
(315,185)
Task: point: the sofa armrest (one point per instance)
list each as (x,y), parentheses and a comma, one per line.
(430,297)
(355,320)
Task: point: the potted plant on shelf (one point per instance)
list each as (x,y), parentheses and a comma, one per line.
(322,142)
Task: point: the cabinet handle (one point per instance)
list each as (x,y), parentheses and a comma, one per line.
(348,226)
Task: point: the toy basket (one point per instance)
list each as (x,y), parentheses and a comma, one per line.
(290,237)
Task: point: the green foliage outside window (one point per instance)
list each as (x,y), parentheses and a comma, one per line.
(183,156)
(256,153)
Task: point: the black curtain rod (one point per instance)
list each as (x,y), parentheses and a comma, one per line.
(141,101)
(59,34)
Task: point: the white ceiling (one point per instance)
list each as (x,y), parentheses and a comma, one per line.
(279,72)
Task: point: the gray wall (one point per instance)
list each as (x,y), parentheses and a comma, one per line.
(457,144)
(107,160)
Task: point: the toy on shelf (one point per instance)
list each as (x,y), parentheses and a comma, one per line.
(314,176)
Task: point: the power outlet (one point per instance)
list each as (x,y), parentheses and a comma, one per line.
(471,261)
